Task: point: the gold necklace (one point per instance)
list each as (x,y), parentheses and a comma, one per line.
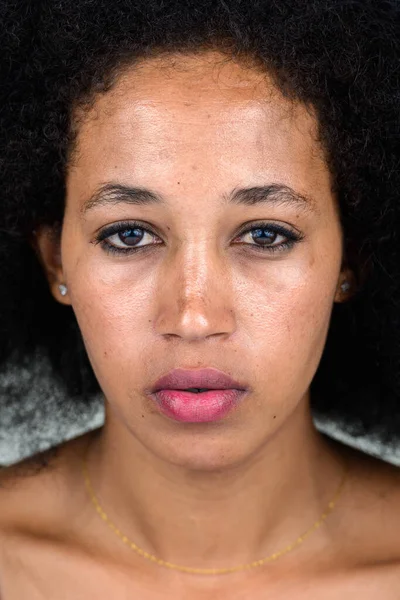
(169,565)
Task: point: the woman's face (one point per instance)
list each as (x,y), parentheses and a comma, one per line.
(213,283)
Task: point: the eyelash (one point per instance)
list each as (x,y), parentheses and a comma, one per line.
(291,237)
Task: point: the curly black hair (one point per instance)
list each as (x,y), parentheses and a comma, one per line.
(339,56)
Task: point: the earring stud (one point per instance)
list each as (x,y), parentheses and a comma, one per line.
(345,286)
(63,289)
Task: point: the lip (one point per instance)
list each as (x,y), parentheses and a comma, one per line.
(211,378)
(189,407)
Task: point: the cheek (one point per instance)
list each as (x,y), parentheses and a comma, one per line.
(113,314)
(286,320)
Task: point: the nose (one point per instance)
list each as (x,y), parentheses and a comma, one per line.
(194,298)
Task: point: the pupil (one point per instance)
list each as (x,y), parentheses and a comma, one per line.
(263,235)
(136,233)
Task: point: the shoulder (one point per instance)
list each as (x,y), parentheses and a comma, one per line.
(371,511)
(34,492)
(43,514)
(375,481)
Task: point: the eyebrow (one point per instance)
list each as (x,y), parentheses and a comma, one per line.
(278,194)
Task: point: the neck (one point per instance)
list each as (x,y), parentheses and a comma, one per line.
(220,518)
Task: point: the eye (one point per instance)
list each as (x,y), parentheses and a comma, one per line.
(123,238)
(127,238)
(268,237)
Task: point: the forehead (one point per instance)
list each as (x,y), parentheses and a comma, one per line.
(169,115)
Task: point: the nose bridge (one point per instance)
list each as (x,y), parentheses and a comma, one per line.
(196,301)
(196,270)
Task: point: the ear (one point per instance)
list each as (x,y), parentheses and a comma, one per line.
(46,242)
(347,286)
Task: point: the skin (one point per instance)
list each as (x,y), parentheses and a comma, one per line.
(201,294)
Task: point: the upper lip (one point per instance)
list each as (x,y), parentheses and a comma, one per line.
(181,379)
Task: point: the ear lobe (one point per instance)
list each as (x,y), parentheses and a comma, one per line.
(346,287)
(46,242)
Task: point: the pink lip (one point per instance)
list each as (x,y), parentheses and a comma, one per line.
(173,399)
(190,407)
(181,379)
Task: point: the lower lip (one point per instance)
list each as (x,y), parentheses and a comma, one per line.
(204,407)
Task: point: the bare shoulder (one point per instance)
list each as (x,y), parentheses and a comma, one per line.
(375,479)
(33,490)
(371,507)
(43,512)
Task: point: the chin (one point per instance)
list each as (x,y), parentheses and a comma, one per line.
(207,452)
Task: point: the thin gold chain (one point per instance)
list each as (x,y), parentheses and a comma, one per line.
(243,567)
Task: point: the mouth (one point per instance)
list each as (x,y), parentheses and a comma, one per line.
(197,396)
(197,381)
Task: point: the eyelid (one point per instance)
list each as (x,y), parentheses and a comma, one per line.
(118,226)
(265,224)
(292,237)
(246,227)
